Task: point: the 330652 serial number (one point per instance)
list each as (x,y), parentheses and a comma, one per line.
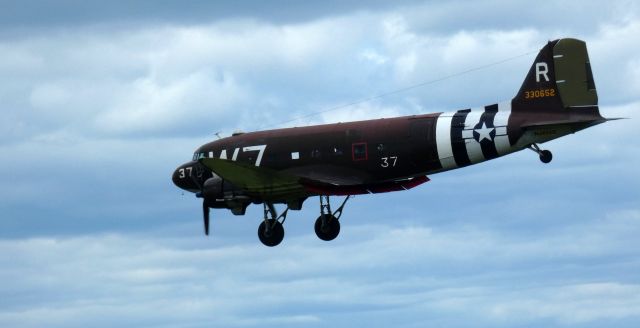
(539,93)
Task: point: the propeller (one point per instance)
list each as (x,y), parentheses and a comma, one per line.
(205,209)
(205,215)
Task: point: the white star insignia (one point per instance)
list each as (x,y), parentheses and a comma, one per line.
(485,132)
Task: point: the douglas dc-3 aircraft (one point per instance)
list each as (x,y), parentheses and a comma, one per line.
(287,166)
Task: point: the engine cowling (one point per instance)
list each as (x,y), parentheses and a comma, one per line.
(219,193)
(212,188)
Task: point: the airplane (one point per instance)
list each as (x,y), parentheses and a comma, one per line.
(286,166)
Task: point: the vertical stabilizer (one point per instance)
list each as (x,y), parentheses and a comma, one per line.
(560,78)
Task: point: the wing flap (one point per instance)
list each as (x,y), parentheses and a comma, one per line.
(372,188)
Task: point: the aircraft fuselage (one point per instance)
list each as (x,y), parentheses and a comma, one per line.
(558,97)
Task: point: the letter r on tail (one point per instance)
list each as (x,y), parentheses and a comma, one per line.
(541,70)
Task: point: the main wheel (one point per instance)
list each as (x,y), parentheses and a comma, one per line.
(271,237)
(329,230)
(546,156)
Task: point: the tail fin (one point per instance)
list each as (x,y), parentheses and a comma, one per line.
(559,79)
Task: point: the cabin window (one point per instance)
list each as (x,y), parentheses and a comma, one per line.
(315,153)
(359,151)
(295,155)
(336,151)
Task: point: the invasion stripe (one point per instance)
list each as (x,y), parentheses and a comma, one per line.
(443,141)
(501,120)
(474,150)
(488,146)
(457,141)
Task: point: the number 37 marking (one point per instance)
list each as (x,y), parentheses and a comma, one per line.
(182,172)
(389,161)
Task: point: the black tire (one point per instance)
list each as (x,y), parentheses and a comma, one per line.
(330,230)
(546,156)
(275,235)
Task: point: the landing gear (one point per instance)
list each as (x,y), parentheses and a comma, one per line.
(327,226)
(271,233)
(270,230)
(545,155)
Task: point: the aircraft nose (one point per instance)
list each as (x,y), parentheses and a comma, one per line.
(175,179)
(182,177)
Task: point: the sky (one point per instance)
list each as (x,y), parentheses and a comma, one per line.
(102,100)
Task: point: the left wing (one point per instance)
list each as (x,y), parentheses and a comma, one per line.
(254,179)
(269,183)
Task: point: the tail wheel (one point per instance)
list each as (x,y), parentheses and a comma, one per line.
(327,227)
(546,156)
(271,232)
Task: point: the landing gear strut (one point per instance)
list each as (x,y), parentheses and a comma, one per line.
(327,226)
(270,230)
(545,155)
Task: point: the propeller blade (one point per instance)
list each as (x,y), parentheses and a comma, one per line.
(205,214)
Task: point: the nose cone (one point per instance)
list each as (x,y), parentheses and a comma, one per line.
(175,178)
(182,177)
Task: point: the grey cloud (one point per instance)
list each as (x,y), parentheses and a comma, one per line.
(98,109)
(492,278)
(27,15)
(580,17)
(168,80)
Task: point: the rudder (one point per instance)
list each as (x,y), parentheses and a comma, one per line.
(574,78)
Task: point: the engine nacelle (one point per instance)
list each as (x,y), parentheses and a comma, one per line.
(213,188)
(219,193)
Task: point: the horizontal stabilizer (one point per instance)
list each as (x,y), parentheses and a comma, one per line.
(588,122)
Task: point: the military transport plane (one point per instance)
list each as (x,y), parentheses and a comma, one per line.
(287,166)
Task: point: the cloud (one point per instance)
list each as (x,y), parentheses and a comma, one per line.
(159,80)
(148,106)
(577,304)
(374,57)
(47,15)
(98,109)
(494,278)
(153,81)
